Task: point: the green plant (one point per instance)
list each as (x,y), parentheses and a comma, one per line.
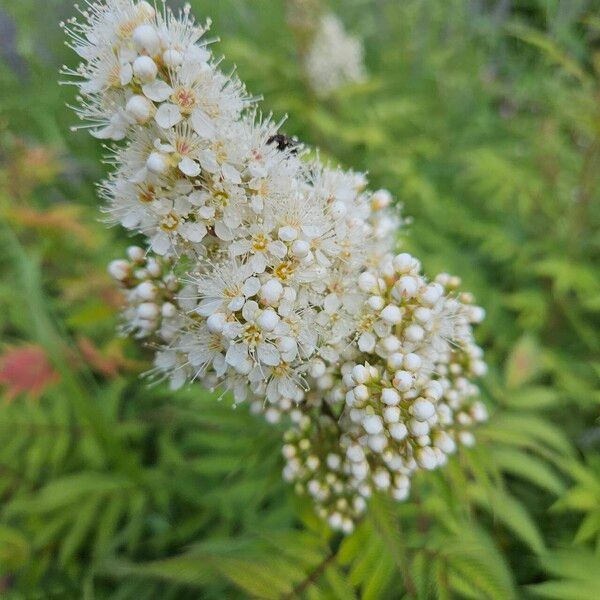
(485,123)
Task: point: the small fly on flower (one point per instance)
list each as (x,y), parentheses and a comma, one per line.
(284,142)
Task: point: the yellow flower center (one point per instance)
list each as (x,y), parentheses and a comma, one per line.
(259,242)
(184,98)
(284,270)
(147,194)
(252,335)
(170,222)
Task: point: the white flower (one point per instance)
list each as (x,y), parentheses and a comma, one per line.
(226,288)
(334,58)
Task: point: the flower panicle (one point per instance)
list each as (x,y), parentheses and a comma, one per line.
(268,274)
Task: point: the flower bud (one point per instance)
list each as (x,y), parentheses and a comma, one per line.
(300,248)
(168,310)
(287,234)
(427,459)
(444,442)
(376,302)
(334,461)
(361,393)
(268,320)
(271,291)
(360,374)
(391,343)
(391,314)
(422,314)
(400,494)
(367,282)
(479,412)
(398,431)
(403,263)
(395,361)
(119,269)
(418,428)
(145,69)
(412,362)
(406,286)
(423,409)
(479,368)
(434,390)
(432,293)
(391,414)
(140,108)
(153,267)
(403,381)
(355,453)
(272,415)
(380,199)
(466,438)
(146,290)
(377,443)
(145,38)
(381,479)
(414,333)
(317,368)
(390,396)
(372,424)
(148,310)
(135,253)
(476,314)
(157,163)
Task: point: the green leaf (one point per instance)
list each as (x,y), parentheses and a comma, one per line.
(512,514)
(14,549)
(528,467)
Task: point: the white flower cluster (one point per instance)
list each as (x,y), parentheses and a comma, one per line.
(402,402)
(334,57)
(286,291)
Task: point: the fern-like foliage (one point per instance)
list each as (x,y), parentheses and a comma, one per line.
(484,118)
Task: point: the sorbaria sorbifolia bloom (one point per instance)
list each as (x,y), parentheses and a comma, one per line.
(268,274)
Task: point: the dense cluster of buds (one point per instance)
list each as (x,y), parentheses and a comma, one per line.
(268,274)
(151,289)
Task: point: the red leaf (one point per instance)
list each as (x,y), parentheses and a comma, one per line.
(26,370)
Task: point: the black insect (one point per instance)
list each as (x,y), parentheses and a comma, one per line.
(284,142)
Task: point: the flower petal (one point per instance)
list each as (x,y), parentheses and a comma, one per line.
(189,167)
(202,124)
(158,90)
(161,243)
(168,115)
(268,354)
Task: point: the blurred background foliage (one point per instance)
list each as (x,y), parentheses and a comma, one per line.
(483,118)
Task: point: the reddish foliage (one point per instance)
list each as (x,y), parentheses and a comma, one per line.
(26,370)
